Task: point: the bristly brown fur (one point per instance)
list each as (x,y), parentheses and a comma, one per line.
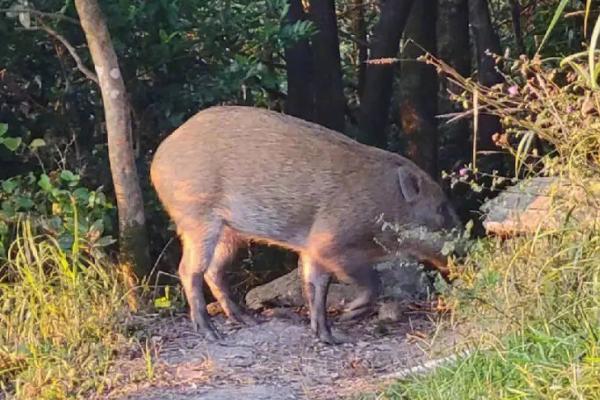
(233,173)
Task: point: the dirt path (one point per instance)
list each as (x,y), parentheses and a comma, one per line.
(279,359)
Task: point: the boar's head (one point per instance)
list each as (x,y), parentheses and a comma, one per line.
(427,203)
(427,219)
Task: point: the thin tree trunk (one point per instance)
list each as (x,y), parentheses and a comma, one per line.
(329,91)
(376,98)
(419,88)
(360,31)
(453,48)
(300,100)
(516,21)
(486,42)
(132,223)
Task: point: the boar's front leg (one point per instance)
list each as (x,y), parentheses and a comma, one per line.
(198,249)
(315,284)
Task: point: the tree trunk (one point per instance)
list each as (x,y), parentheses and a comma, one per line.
(300,100)
(516,21)
(486,41)
(375,101)
(132,224)
(453,48)
(329,91)
(419,88)
(360,31)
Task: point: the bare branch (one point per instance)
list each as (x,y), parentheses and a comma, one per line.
(39,13)
(80,65)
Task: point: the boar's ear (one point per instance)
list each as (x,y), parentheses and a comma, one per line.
(410,184)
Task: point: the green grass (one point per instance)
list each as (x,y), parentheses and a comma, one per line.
(533,306)
(534,365)
(61,319)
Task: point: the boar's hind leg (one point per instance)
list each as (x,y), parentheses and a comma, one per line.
(315,283)
(215,279)
(366,278)
(198,249)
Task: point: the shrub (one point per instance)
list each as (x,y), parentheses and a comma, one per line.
(52,201)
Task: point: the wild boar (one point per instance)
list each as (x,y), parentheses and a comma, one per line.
(231,174)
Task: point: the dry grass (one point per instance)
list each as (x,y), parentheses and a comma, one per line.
(61,319)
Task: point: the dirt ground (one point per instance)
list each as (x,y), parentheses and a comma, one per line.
(280,359)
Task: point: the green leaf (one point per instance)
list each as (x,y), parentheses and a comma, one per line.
(68,176)
(11,143)
(55,223)
(37,143)
(97,227)
(448,248)
(163,302)
(8,209)
(100,199)
(468,228)
(65,241)
(105,241)
(91,199)
(3,129)
(81,194)
(24,203)
(3,229)
(45,183)
(9,185)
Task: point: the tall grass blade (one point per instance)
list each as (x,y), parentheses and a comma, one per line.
(588,6)
(555,18)
(591,56)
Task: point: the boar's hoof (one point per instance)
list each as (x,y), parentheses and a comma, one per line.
(242,318)
(205,327)
(327,338)
(324,334)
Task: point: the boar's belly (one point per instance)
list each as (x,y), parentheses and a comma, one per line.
(287,226)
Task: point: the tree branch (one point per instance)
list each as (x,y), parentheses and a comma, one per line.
(39,13)
(80,65)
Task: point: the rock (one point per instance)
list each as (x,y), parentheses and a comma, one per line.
(400,281)
(542,202)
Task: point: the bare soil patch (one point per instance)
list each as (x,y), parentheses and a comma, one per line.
(279,358)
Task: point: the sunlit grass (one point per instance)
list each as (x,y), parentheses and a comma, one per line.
(61,315)
(533,307)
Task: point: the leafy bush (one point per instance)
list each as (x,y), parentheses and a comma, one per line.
(53,202)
